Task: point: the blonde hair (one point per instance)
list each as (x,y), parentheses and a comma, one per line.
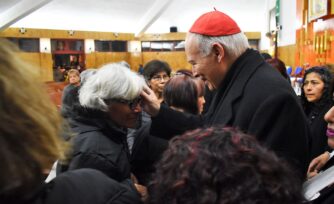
(73,71)
(30,126)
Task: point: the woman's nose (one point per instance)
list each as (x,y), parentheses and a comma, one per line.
(329,116)
(137,108)
(308,87)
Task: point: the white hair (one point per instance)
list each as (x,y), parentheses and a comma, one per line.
(234,45)
(84,75)
(111,81)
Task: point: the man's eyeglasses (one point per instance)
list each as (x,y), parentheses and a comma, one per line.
(131,103)
(160,78)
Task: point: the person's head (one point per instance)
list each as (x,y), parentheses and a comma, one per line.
(74,77)
(114,89)
(279,65)
(184,71)
(157,73)
(84,75)
(185,93)
(29,130)
(61,68)
(124,63)
(222,165)
(316,85)
(329,117)
(213,43)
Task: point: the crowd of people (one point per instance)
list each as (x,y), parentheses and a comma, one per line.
(231,130)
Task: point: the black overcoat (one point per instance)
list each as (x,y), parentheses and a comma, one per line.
(318,128)
(255,98)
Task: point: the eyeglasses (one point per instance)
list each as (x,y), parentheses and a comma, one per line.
(160,77)
(131,103)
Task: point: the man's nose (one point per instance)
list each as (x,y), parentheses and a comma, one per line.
(195,74)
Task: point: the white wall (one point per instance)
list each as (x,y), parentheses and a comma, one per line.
(45,45)
(89,45)
(249,14)
(286,36)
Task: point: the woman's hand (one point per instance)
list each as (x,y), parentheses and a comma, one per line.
(316,164)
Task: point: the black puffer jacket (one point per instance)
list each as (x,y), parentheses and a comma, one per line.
(85,186)
(100,145)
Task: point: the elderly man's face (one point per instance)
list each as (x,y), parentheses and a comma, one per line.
(205,66)
(125,115)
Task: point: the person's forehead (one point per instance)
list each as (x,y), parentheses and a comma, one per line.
(192,50)
(313,76)
(160,73)
(191,41)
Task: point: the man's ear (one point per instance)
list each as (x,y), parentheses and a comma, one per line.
(219,51)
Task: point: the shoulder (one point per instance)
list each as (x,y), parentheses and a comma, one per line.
(88,186)
(268,83)
(68,88)
(95,140)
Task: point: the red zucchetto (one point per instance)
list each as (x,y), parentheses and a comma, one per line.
(215,23)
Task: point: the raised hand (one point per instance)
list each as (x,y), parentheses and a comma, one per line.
(150,104)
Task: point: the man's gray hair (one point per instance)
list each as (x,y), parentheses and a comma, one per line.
(111,81)
(234,45)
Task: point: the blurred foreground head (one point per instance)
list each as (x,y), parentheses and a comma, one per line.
(222,165)
(29,128)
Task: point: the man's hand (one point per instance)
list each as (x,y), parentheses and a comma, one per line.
(316,164)
(151,103)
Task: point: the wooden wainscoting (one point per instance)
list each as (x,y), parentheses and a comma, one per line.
(97,59)
(55,91)
(176,60)
(135,60)
(43,61)
(287,55)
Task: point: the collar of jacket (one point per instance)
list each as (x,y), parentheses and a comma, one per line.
(232,87)
(85,124)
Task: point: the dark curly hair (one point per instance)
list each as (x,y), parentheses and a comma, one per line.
(326,97)
(222,165)
(155,66)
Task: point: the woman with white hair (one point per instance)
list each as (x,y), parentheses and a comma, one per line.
(108,103)
(30,144)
